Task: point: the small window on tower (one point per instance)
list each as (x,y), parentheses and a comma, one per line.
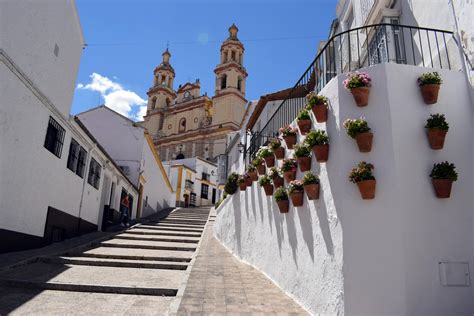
(223,81)
(239,84)
(233,55)
(182,125)
(153,103)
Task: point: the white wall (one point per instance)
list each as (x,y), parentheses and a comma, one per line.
(344,254)
(30,31)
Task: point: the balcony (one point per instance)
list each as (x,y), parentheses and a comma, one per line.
(206,177)
(189,185)
(357,48)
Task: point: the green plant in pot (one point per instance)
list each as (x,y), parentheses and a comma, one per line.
(430,83)
(302,154)
(266,183)
(437,128)
(319,141)
(259,163)
(288,167)
(278,150)
(296,191)
(266,153)
(242,183)
(363,176)
(304,121)
(359,130)
(281,197)
(311,185)
(358,83)
(288,133)
(230,186)
(319,105)
(442,176)
(275,175)
(248,179)
(252,172)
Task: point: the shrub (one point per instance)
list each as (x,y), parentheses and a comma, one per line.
(437,121)
(275,144)
(444,170)
(362,172)
(288,131)
(302,150)
(264,180)
(313,98)
(317,137)
(230,186)
(356,126)
(281,194)
(288,165)
(251,168)
(274,172)
(429,78)
(295,186)
(356,80)
(241,179)
(310,178)
(303,115)
(258,161)
(265,152)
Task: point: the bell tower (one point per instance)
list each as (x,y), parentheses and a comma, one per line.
(229,100)
(160,95)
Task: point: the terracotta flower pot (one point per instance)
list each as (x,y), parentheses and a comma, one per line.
(321,152)
(289,175)
(253,175)
(290,141)
(283,205)
(304,163)
(364,141)
(436,137)
(277,182)
(270,161)
(280,153)
(430,93)
(320,111)
(297,198)
(248,182)
(243,186)
(361,96)
(312,191)
(304,126)
(268,189)
(442,187)
(367,189)
(261,169)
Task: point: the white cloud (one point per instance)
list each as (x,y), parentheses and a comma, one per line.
(117,98)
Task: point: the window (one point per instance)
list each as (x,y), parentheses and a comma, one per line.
(182,125)
(94,173)
(232,55)
(223,82)
(77,158)
(204,190)
(153,103)
(54,137)
(239,84)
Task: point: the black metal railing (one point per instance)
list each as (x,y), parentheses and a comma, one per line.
(354,49)
(189,185)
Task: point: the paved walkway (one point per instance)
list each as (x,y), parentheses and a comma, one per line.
(220,284)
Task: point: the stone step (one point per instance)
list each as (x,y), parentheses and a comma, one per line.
(134,253)
(166,221)
(123,263)
(163,238)
(188,217)
(130,257)
(196,226)
(96,279)
(186,230)
(140,244)
(146,232)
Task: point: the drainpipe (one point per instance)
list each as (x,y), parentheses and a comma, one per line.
(457,37)
(89,157)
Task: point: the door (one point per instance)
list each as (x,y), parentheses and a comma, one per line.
(213,196)
(186,200)
(103,200)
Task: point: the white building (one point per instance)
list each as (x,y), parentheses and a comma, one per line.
(405,252)
(132,148)
(52,173)
(195,180)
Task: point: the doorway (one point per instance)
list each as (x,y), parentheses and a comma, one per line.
(213,196)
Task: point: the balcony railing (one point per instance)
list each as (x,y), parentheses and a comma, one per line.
(357,48)
(206,176)
(189,185)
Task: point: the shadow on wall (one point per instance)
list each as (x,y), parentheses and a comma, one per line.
(238,219)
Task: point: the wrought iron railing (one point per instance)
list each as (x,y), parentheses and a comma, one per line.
(357,48)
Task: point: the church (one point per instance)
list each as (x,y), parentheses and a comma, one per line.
(186,124)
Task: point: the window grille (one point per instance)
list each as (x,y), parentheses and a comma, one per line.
(94,173)
(76,160)
(81,163)
(204,191)
(54,137)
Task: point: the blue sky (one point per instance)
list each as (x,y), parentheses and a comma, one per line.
(126,38)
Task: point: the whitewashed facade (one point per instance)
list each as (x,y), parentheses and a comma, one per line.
(132,149)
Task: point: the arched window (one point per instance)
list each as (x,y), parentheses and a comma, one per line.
(182,125)
(232,55)
(153,103)
(223,81)
(179,156)
(225,56)
(168,101)
(239,84)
